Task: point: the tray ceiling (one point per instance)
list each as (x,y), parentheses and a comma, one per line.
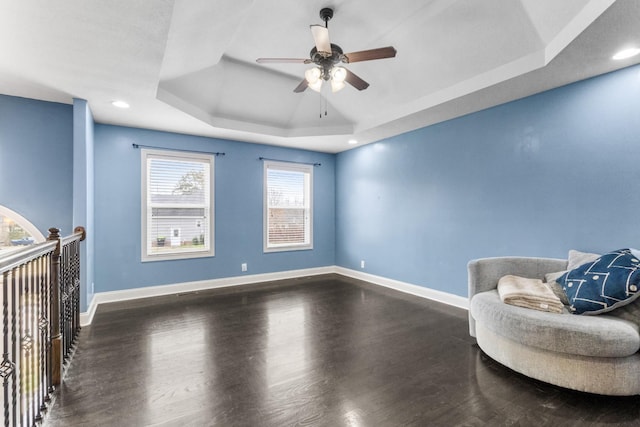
(189,66)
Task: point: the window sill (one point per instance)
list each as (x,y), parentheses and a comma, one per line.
(177,257)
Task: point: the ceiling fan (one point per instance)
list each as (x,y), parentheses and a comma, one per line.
(327,56)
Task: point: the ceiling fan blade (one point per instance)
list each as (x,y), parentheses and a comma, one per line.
(368,55)
(355,81)
(302,86)
(282,60)
(321,38)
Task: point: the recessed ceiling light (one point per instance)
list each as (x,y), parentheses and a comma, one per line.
(353,141)
(120,104)
(626,53)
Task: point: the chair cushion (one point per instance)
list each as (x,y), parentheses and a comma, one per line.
(600,336)
(575,260)
(611,281)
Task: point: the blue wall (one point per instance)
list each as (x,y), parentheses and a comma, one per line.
(534,177)
(238,211)
(36,161)
(83,192)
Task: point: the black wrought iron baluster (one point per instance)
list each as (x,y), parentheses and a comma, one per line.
(15,325)
(41,336)
(28,343)
(31,372)
(37,286)
(21,356)
(28,340)
(69,310)
(6,366)
(44,328)
(65,302)
(33,332)
(76,291)
(47,285)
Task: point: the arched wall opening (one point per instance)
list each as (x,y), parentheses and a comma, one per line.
(16,231)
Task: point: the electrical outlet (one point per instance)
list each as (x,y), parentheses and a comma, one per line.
(244,266)
(362,264)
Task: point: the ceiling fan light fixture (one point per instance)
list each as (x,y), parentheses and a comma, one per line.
(314,78)
(338,74)
(336,85)
(313,75)
(326,56)
(317,85)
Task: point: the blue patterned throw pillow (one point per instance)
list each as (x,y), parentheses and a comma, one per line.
(609,282)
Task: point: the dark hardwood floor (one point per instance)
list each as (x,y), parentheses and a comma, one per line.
(320,351)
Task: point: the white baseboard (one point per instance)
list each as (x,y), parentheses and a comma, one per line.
(408,288)
(179,288)
(87,317)
(154,291)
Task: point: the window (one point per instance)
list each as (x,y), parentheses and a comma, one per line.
(177,205)
(16,231)
(287,206)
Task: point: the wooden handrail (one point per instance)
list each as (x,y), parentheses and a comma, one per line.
(79,233)
(25,255)
(32,252)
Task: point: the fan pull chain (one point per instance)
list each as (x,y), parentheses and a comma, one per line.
(326,103)
(326,106)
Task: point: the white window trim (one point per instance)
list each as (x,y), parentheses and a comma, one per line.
(23,222)
(179,155)
(296,167)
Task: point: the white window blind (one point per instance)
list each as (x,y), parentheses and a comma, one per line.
(288,206)
(177,205)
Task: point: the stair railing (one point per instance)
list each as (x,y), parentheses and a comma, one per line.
(40,319)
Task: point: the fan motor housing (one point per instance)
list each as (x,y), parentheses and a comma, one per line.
(320,57)
(327,62)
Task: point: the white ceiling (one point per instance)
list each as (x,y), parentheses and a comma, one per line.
(188,66)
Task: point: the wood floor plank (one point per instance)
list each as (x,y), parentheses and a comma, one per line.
(319,351)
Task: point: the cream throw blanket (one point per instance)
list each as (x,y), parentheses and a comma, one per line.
(528,293)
